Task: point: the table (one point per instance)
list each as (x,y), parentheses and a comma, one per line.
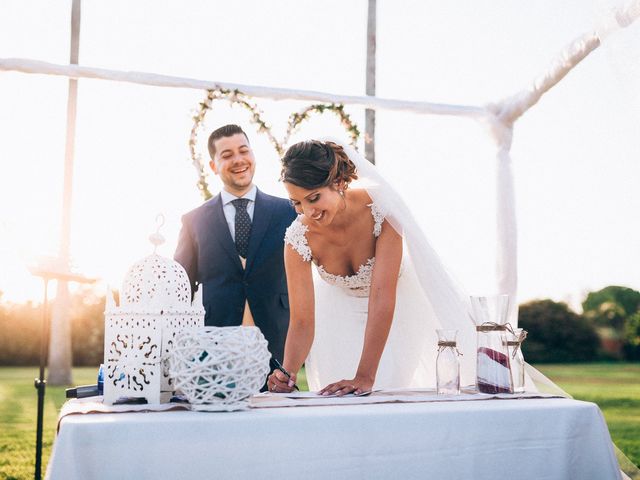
(550,438)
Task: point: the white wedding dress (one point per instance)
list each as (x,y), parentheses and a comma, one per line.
(341,306)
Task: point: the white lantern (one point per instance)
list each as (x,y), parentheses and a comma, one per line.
(155,304)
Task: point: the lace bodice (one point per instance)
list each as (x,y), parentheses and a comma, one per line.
(358,284)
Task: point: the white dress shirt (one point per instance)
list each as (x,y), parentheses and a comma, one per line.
(230,210)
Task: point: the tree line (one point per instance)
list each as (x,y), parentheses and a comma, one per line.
(21,327)
(607,329)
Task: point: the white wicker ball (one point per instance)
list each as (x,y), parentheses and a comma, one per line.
(219,368)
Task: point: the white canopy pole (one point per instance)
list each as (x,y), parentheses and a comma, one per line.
(506,112)
(60,350)
(78,71)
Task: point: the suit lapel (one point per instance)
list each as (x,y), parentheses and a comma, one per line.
(262,213)
(221,229)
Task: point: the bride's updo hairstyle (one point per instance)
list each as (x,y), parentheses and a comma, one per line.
(314,164)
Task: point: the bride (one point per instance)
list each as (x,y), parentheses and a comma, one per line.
(367,318)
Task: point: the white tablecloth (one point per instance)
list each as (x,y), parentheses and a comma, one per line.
(488,439)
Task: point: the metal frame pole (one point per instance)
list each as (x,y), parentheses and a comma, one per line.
(369,114)
(40,383)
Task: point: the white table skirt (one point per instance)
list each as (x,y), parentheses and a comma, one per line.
(511,439)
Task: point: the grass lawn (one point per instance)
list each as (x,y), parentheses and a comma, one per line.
(614,387)
(18,408)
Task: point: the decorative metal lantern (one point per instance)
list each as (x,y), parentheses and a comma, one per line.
(155,304)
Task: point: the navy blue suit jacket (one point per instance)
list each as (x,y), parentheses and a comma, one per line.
(208,254)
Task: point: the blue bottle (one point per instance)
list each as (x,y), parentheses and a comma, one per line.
(101,380)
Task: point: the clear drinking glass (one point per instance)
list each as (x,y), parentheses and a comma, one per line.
(493,368)
(447,363)
(514,342)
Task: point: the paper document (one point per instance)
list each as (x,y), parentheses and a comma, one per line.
(297,395)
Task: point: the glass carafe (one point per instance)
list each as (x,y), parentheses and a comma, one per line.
(493,368)
(516,358)
(447,364)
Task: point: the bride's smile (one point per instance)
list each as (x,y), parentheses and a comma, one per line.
(320,205)
(318,216)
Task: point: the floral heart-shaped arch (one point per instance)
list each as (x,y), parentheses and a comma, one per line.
(238,98)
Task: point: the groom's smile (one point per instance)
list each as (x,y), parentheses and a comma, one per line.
(240,171)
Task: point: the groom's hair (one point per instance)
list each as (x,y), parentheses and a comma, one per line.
(224,131)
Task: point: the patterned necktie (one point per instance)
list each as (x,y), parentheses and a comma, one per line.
(243,226)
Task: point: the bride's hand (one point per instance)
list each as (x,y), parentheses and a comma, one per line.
(279,382)
(357,386)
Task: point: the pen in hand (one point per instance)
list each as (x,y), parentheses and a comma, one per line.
(283,370)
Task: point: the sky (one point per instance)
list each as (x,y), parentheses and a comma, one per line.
(575,153)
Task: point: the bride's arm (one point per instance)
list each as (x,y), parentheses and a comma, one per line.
(301,316)
(382,301)
(301,309)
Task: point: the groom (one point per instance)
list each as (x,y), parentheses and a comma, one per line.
(232,245)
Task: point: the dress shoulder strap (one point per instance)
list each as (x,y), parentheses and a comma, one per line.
(378,219)
(295,236)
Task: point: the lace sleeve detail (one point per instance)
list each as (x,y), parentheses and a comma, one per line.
(295,236)
(378,219)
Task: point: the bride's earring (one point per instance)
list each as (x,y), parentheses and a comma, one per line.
(344,200)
